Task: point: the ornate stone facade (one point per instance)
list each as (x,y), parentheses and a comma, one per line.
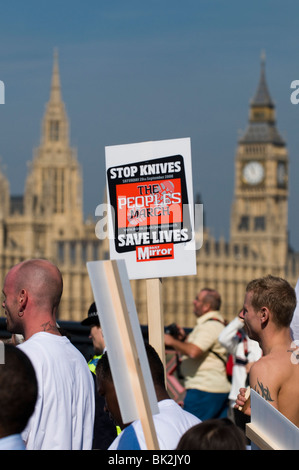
(258,243)
(47,221)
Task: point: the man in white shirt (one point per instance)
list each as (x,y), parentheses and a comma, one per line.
(295,320)
(64,414)
(16,375)
(245,352)
(170,423)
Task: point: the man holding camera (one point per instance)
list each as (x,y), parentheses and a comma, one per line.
(203,362)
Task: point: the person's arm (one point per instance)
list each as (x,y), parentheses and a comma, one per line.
(183,347)
(228,337)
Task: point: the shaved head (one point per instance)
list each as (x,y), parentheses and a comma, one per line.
(41,278)
(32,291)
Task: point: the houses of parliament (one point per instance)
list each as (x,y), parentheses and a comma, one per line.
(48,222)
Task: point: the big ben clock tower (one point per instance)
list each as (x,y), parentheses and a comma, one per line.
(260,208)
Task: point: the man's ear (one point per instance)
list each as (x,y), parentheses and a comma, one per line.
(206,307)
(23,298)
(265,314)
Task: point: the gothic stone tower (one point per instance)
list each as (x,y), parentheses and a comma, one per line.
(258,243)
(54,184)
(47,222)
(260,208)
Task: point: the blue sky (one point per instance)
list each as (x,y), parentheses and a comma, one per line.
(135,71)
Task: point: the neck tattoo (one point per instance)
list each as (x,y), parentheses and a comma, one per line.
(49,327)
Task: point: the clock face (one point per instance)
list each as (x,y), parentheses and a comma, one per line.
(253,173)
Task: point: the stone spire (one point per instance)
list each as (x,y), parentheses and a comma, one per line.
(55,123)
(54,183)
(262,96)
(55,95)
(262,119)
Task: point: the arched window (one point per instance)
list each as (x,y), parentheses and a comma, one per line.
(54,131)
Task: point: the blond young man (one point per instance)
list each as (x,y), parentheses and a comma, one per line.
(268,310)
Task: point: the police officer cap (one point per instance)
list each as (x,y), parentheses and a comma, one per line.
(93,318)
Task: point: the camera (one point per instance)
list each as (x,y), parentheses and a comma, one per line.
(172,330)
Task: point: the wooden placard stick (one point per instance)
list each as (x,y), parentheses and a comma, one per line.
(155,316)
(256,436)
(131,355)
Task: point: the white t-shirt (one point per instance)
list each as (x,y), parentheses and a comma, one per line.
(63,418)
(295,320)
(170,424)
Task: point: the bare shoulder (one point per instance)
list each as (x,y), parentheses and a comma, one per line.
(265,379)
(275,377)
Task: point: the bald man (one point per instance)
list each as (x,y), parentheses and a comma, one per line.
(64,414)
(203,359)
(32,291)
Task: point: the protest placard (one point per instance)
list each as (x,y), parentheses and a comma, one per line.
(269,429)
(150,204)
(127,356)
(151,217)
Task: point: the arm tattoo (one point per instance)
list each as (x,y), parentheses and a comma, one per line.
(263,391)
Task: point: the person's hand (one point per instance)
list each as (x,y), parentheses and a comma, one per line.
(241,398)
(181,334)
(168,339)
(243,401)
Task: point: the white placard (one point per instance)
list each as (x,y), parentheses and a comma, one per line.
(2,353)
(150,208)
(280,431)
(113,339)
(295,319)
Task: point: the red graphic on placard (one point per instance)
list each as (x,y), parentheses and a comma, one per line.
(150,203)
(154,252)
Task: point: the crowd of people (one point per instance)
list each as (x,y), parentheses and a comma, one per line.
(51,398)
